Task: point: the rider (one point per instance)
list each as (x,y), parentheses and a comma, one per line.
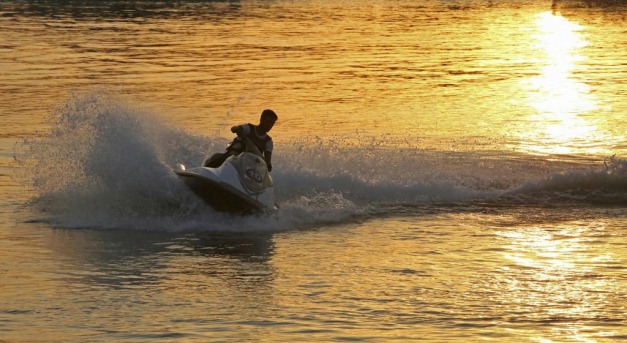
(258,134)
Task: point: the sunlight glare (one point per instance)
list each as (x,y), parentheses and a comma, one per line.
(555,262)
(558,97)
(559,92)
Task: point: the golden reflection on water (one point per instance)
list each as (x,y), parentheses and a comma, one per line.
(554,270)
(558,97)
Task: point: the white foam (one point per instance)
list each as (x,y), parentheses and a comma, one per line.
(108,164)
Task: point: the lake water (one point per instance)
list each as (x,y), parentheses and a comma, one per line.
(446,171)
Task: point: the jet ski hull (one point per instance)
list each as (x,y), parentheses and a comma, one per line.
(220,196)
(238,186)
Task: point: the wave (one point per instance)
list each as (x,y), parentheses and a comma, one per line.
(600,186)
(108,164)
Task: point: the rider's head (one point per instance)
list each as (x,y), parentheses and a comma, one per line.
(267,120)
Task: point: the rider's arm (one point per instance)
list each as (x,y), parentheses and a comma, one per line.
(241,130)
(237,130)
(267,155)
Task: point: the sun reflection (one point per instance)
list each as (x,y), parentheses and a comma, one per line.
(548,259)
(557,96)
(551,271)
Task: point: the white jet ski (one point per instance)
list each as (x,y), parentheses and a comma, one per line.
(241,185)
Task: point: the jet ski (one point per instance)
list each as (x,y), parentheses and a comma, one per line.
(240,185)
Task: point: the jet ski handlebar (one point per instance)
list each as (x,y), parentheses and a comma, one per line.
(249,146)
(246,145)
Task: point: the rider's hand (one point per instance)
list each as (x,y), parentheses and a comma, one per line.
(236,130)
(269,167)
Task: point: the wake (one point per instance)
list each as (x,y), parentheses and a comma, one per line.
(108,164)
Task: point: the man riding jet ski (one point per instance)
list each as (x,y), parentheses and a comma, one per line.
(258,134)
(238,181)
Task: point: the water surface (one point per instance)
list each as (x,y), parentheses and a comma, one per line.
(446,170)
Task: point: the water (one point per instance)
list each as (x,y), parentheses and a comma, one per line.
(446,170)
